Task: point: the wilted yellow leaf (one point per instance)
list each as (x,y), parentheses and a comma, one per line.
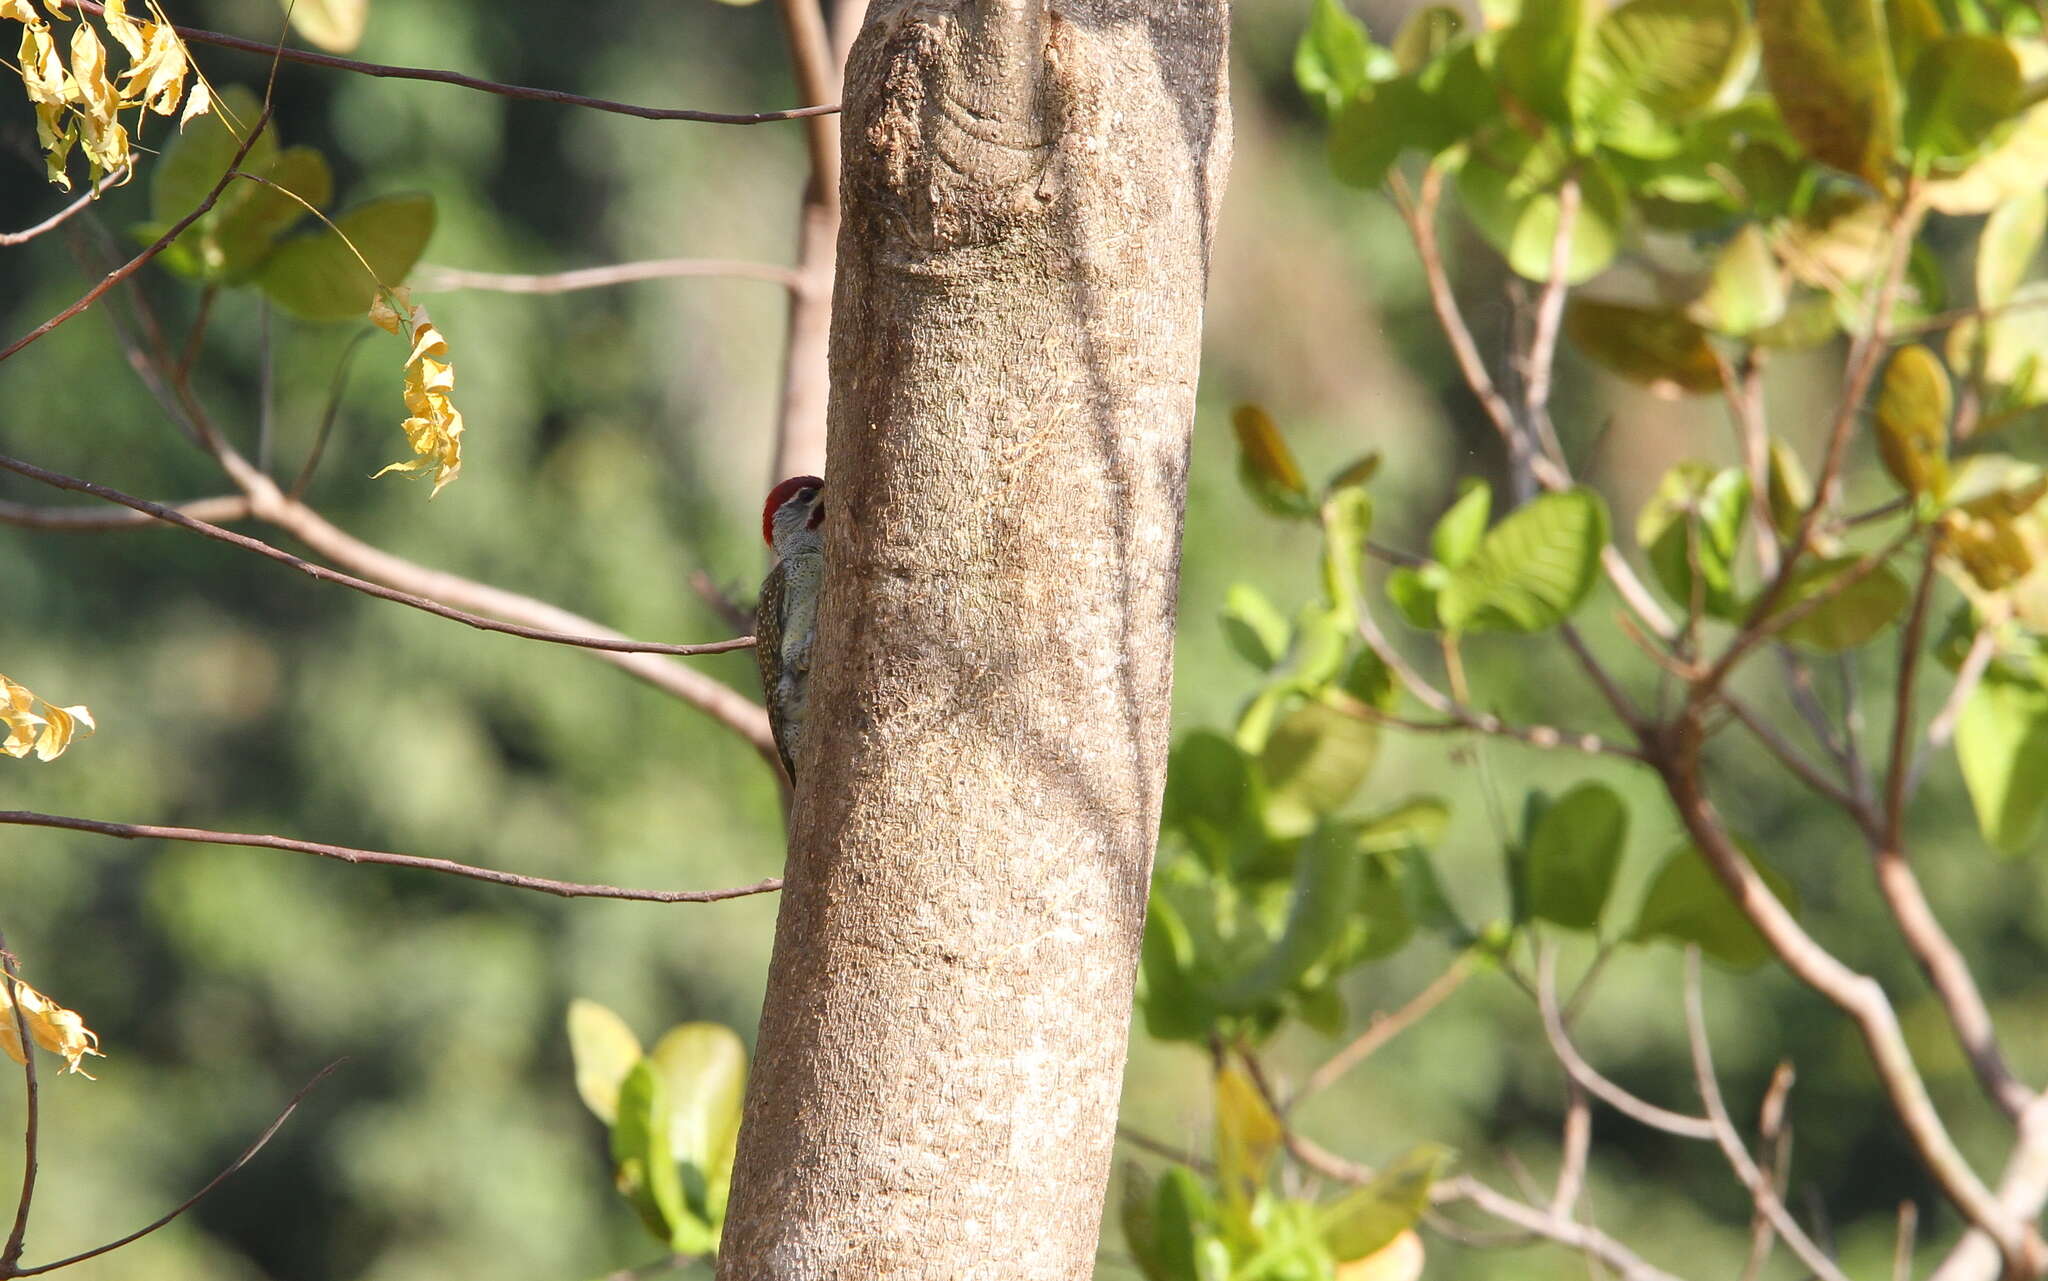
(1398,1260)
(60,1031)
(434,425)
(36,726)
(84,102)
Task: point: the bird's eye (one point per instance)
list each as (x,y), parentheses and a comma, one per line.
(808,493)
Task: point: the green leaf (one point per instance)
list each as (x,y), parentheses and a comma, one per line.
(1570,855)
(1686,903)
(1911,25)
(1316,758)
(1747,291)
(333,25)
(1532,570)
(2002,747)
(1335,59)
(1369,680)
(703,1067)
(1374,1213)
(1327,875)
(1852,615)
(1458,532)
(1652,63)
(1415,592)
(1208,793)
(1658,348)
(319,277)
(1791,493)
(241,229)
(1537,58)
(199,154)
(1370,131)
(1510,191)
(1322,641)
(1695,521)
(2006,247)
(1266,465)
(1830,69)
(1416,822)
(1174,1009)
(1807,323)
(1347,520)
(1138,1213)
(1426,35)
(1355,475)
(1186,1218)
(247,231)
(1248,1137)
(1961,89)
(642,1162)
(1257,631)
(1913,409)
(604,1049)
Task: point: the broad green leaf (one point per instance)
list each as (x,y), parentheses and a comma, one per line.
(1532,570)
(1808,322)
(1373,1214)
(1913,409)
(703,1067)
(1266,465)
(642,1162)
(1747,290)
(1186,1225)
(1322,641)
(1370,131)
(1174,1009)
(1380,924)
(1138,1213)
(1459,530)
(1694,521)
(1425,35)
(2006,247)
(320,277)
(1313,762)
(1248,1137)
(2002,747)
(1335,59)
(240,238)
(1347,520)
(604,1049)
(1416,591)
(1417,821)
(1208,792)
(1852,615)
(2015,162)
(1791,492)
(1510,191)
(1370,681)
(1830,69)
(1660,349)
(1651,63)
(1327,875)
(1536,59)
(1911,25)
(1686,903)
(1961,89)
(333,25)
(199,154)
(1256,629)
(1570,855)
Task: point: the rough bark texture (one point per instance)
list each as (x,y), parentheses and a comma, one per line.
(1027,204)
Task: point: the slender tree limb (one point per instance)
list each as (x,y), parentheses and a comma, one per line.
(248,1154)
(1539,361)
(381,858)
(1902,1243)
(1382,1029)
(113,178)
(1576,1144)
(173,516)
(1774,1142)
(1762,624)
(2022,1190)
(10,974)
(221,40)
(156,246)
(229,507)
(1788,756)
(1587,1077)
(430,278)
(1730,1142)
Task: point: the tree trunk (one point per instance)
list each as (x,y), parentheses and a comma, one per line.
(1027,203)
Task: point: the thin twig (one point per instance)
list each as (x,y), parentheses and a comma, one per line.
(113,178)
(304,479)
(1577,1236)
(1382,1029)
(156,246)
(1576,1144)
(1541,357)
(87,520)
(17,1236)
(173,516)
(1772,1140)
(432,279)
(1731,1144)
(248,1154)
(1586,1076)
(1902,1244)
(382,858)
(556,96)
(1802,769)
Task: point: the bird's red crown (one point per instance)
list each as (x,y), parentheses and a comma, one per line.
(777,497)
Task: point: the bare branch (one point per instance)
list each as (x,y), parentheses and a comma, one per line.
(1584,1075)
(248,1154)
(1788,756)
(82,520)
(347,854)
(1565,1232)
(156,246)
(1731,1144)
(1576,1144)
(433,279)
(2022,1190)
(324,574)
(1902,1246)
(113,178)
(1775,1144)
(17,1236)
(556,96)
(1382,1029)
(1541,356)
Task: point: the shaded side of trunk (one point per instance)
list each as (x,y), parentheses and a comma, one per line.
(1027,205)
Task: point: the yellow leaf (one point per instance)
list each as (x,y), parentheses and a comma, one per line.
(1398,1260)
(156,78)
(198,104)
(434,425)
(20,11)
(35,726)
(1248,1135)
(106,139)
(123,28)
(60,1031)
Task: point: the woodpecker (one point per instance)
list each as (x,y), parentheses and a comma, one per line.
(792,522)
